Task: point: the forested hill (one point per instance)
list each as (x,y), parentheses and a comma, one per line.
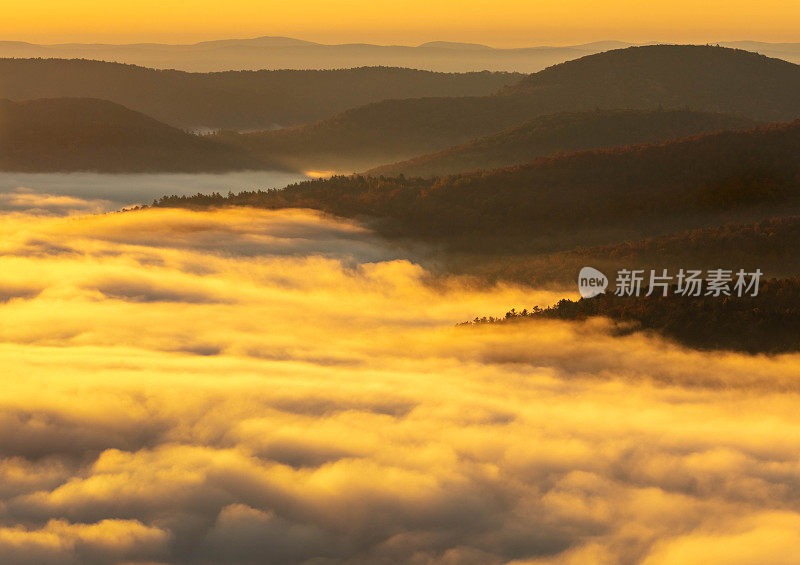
(76,134)
(701,78)
(382,132)
(566,133)
(234,99)
(768,244)
(766,323)
(634,188)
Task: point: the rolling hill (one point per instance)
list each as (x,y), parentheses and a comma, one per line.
(372,135)
(769,244)
(590,197)
(565,133)
(238,100)
(81,134)
(671,76)
(766,323)
(707,78)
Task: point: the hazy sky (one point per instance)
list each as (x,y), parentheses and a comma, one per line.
(504,24)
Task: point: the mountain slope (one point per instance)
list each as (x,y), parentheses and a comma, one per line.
(769,244)
(565,133)
(240,100)
(701,78)
(73,134)
(371,135)
(708,78)
(587,197)
(766,323)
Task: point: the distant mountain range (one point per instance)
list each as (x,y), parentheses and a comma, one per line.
(238,100)
(288,53)
(710,79)
(656,85)
(79,134)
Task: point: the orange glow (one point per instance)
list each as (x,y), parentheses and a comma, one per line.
(501,24)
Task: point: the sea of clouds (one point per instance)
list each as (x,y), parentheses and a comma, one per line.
(249,386)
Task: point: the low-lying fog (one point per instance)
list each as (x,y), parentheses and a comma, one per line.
(69,193)
(274,387)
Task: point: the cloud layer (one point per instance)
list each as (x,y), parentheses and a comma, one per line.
(260,387)
(89,192)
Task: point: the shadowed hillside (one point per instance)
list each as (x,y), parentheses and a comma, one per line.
(371,135)
(770,245)
(767,323)
(239,100)
(641,190)
(77,134)
(565,133)
(701,78)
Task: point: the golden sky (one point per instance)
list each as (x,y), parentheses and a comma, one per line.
(503,24)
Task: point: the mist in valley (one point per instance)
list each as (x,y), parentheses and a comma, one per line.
(88,192)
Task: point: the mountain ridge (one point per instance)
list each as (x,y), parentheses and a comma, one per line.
(394,130)
(232,99)
(565,133)
(275,52)
(86,134)
(641,191)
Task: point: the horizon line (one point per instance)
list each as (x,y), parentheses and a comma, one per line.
(431,43)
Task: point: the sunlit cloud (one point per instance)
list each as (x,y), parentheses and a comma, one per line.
(60,542)
(32,202)
(249,386)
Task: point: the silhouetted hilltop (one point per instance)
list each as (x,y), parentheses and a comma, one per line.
(456,45)
(74,134)
(712,79)
(767,323)
(265,41)
(701,77)
(565,133)
(241,100)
